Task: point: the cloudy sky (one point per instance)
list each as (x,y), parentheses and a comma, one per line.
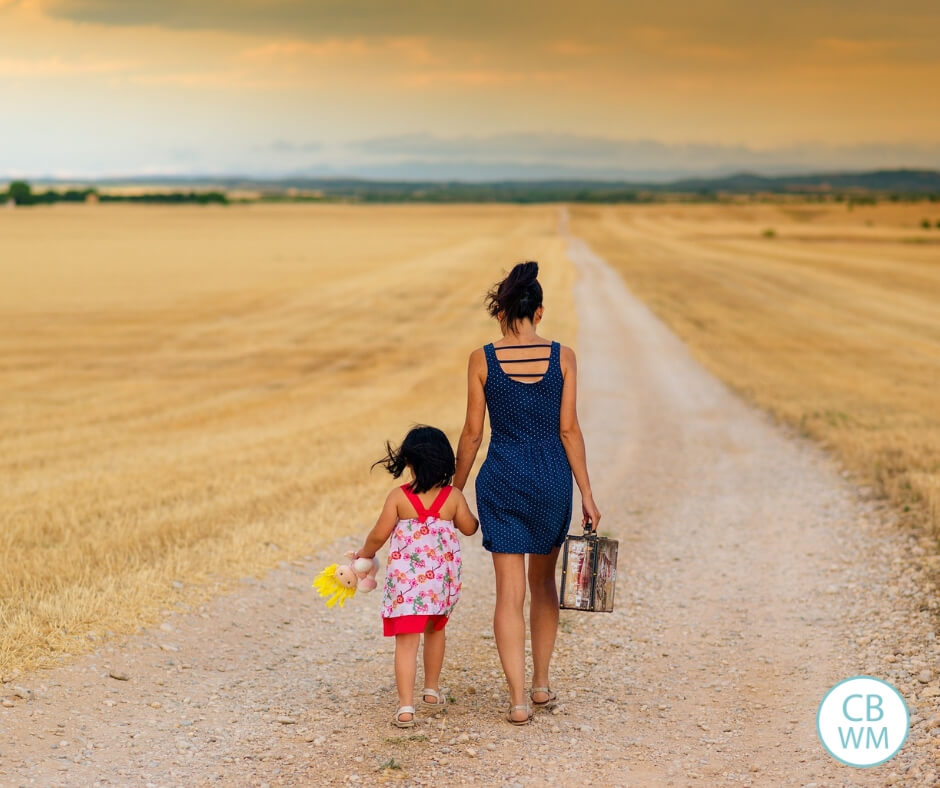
(481,89)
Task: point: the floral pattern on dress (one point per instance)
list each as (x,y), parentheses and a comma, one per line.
(422,576)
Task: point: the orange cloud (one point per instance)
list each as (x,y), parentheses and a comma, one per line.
(213,80)
(476,77)
(676,43)
(574,48)
(55,66)
(847,47)
(412,50)
(329,48)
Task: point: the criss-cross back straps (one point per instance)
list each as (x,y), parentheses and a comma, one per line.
(434,509)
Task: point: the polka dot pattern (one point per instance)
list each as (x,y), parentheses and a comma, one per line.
(524,488)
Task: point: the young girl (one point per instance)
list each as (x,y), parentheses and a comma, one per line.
(422,579)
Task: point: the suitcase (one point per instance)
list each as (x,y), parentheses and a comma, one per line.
(588,572)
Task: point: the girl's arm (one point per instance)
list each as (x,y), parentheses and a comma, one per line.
(382,529)
(472,434)
(466,523)
(573,439)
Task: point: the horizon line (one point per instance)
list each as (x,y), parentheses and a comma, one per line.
(333,177)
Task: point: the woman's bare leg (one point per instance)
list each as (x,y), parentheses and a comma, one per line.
(433,657)
(543,617)
(406,665)
(509,624)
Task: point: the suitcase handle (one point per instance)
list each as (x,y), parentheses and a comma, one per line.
(589,528)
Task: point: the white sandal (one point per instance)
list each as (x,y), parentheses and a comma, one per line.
(528,714)
(438,695)
(398,722)
(549,703)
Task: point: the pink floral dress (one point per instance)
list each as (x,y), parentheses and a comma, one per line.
(422,579)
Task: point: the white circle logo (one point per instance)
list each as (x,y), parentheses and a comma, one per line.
(862,721)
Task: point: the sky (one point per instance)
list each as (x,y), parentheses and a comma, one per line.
(466,89)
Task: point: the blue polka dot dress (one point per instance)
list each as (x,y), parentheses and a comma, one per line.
(524,488)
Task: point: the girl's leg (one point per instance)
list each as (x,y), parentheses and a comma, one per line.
(543,616)
(509,624)
(406,664)
(433,658)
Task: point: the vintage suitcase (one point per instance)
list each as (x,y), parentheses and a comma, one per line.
(589,573)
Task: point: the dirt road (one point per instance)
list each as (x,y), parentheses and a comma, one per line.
(753,576)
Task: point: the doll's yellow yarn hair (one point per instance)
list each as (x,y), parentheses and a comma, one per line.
(327,584)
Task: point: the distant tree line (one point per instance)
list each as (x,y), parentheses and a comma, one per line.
(21,193)
(199,198)
(483,193)
(853,189)
(378,192)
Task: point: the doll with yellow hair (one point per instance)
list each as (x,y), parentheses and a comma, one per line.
(340,582)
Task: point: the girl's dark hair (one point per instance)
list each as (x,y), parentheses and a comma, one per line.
(518,296)
(428,452)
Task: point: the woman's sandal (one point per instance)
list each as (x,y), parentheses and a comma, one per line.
(549,703)
(438,695)
(398,722)
(528,717)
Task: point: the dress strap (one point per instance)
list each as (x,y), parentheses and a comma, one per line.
(415,501)
(435,509)
(490,353)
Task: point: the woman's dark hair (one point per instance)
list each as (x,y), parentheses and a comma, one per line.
(518,296)
(428,452)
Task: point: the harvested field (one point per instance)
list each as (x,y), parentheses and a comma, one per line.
(194,394)
(190,394)
(751,577)
(828,317)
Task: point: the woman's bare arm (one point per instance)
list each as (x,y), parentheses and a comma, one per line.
(472,434)
(573,439)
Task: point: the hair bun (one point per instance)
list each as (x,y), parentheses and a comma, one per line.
(527,272)
(518,296)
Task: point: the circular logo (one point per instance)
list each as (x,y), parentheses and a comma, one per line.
(862,721)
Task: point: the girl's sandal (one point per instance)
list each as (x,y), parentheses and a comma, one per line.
(548,703)
(398,722)
(438,695)
(528,716)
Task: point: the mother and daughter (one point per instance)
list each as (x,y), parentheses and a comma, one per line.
(523,496)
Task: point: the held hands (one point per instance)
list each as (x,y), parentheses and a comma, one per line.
(591,515)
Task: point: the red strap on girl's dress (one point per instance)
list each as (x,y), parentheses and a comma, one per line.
(416,502)
(435,509)
(439,501)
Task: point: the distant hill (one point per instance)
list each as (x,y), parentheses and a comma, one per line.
(902,183)
(906,181)
(886,182)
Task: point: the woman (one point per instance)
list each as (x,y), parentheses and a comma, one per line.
(524,487)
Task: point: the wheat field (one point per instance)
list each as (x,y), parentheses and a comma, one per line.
(192,394)
(829,317)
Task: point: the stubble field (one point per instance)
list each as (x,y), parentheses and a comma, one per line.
(826,316)
(194,394)
(189,395)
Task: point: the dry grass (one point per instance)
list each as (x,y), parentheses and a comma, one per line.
(193,394)
(832,322)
